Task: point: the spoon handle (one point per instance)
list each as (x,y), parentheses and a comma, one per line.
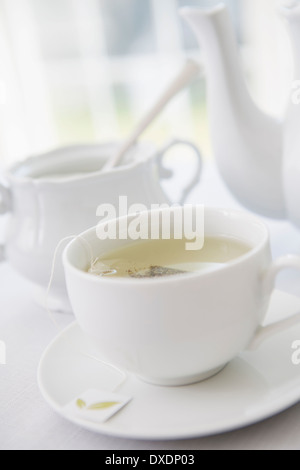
(189,72)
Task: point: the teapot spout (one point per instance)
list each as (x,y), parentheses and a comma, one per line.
(247,143)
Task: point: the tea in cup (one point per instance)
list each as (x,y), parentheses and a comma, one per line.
(173,316)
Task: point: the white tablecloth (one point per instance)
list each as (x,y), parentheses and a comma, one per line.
(27,422)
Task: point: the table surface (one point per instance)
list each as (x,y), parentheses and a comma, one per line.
(27,422)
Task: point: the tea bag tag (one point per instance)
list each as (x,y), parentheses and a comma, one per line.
(96,406)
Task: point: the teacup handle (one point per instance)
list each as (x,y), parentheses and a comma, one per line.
(165,173)
(269,277)
(5,207)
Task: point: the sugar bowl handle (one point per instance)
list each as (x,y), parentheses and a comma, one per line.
(166,173)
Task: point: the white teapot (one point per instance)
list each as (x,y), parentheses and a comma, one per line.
(247,144)
(257,156)
(291,153)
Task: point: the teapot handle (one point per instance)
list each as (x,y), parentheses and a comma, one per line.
(5,207)
(165,173)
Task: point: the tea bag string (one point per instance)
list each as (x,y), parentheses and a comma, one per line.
(53,267)
(93,260)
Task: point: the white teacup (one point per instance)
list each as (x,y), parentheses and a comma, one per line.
(180,329)
(56,195)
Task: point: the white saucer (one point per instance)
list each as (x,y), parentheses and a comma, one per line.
(253,387)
